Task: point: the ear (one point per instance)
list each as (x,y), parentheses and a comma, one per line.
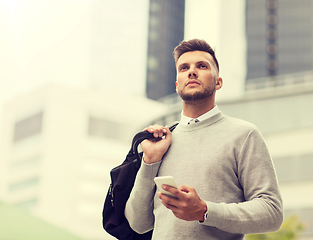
(176,86)
(219,83)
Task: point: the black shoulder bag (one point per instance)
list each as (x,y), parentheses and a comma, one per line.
(122,181)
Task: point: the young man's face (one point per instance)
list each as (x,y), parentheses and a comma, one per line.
(197,76)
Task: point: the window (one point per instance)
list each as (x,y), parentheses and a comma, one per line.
(28,204)
(100,127)
(26,163)
(294,168)
(24,184)
(28,127)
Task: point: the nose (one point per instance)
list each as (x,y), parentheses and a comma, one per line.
(192,73)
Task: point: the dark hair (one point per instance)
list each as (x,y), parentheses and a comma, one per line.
(194,45)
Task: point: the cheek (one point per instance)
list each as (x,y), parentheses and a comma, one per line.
(179,80)
(210,77)
(205,77)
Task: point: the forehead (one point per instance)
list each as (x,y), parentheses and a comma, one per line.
(195,56)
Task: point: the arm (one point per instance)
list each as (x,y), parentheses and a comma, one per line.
(139,207)
(262,209)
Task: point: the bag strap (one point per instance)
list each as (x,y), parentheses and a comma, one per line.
(139,137)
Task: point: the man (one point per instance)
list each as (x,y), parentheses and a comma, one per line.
(228,185)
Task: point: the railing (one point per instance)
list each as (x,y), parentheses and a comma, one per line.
(170,99)
(278,82)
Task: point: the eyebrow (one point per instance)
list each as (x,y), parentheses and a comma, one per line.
(182,65)
(197,63)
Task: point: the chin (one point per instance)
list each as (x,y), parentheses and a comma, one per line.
(195,96)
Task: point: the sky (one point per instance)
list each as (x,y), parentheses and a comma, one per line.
(55,40)
(37,39)
(61,41)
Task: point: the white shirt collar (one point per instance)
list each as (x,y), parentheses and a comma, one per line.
(184,120)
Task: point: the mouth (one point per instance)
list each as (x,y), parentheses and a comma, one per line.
(192,82)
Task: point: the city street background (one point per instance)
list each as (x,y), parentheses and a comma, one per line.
(78,78)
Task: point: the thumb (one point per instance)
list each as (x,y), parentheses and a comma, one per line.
(185,188)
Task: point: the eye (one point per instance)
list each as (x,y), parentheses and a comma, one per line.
(183,68)
(202,66)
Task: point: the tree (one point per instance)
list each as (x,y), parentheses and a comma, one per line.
(291,228)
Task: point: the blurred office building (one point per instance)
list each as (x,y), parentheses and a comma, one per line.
(58,145)
(279,39)
(280,76)
(166,31)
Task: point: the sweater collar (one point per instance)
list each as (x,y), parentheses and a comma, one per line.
(184,119)
(207,122)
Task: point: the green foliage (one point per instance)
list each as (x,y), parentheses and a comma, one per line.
(291,229)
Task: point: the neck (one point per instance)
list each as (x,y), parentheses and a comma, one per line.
(194,109)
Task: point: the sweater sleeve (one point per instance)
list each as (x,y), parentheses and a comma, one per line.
(139,207)
(262,209)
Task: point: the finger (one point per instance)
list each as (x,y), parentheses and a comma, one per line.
(159,131)
(149,129)
(186,189)
(170,207)
(167,132)
(169,202)
(155,130)
(172,190)
(172,200)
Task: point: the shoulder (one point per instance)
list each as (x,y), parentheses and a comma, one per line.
(239,127)
(242,132)
(239,123)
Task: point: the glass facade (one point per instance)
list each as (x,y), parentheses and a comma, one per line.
(28,127)
(279,37)
(166,31)
(296,168)
(105,128)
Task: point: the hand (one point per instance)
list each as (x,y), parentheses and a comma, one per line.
(188,205)
(154,149)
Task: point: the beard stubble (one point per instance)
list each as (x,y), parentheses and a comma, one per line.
(198,95)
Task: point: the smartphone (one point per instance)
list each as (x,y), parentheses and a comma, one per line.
(168,180)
